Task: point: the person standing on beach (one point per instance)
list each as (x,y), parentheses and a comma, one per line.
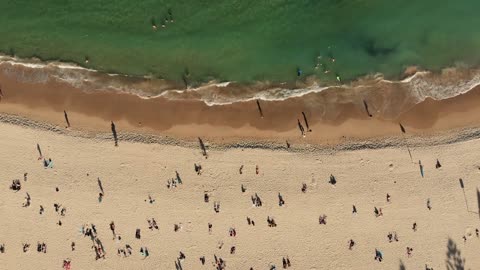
(66,118)
(39,152)
(351,243)
(112,228)
(302,130)
(306,122)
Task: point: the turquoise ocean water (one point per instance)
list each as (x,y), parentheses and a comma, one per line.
(245,40)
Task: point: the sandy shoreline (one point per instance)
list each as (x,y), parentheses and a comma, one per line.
(334,115)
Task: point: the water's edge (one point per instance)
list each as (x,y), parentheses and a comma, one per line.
(417,85)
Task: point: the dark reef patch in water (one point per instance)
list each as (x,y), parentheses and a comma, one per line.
(373,47)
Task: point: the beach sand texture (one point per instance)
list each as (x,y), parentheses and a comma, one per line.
(133,171)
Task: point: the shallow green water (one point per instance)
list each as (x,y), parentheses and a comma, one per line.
(245,40)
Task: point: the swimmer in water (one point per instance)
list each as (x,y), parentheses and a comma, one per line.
(154,24)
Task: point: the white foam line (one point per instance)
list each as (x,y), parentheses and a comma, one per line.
(418,87)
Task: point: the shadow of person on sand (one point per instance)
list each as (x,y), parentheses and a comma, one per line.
(114,132)
(478,201)
(454,259)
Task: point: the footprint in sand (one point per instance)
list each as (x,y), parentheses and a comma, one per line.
(391,166)
(469,232)
(313,183)
(364,161)
(185,227)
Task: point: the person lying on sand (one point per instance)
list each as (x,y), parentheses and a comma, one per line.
(322,220)
(66,264)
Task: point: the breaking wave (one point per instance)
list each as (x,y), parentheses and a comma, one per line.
(416,84)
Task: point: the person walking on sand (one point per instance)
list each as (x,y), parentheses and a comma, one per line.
(378,255)
(409,251)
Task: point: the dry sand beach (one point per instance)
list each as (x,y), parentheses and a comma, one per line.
(133,171)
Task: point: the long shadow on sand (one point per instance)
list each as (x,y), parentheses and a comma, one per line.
(454,259)
(478,202)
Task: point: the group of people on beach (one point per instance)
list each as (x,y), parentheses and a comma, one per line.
(89,230)
(41,247)
(126,250)
(172,183)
